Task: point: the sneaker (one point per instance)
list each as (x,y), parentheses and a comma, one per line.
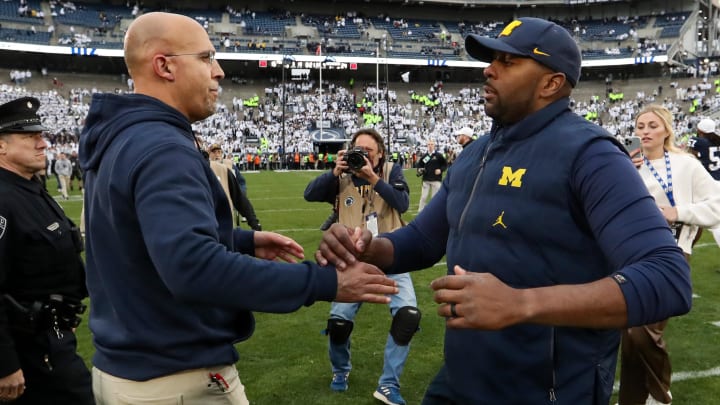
(389,395)
(653,401)
(339,382)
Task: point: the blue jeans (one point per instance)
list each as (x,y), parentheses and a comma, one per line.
(395,356)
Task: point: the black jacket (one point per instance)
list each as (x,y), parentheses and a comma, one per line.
(39,253)
(429,162)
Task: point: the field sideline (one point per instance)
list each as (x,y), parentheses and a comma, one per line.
(285,362)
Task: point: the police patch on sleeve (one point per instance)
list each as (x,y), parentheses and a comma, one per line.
(3,223)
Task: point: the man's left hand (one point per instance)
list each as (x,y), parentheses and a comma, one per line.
(476,301)
(366,172)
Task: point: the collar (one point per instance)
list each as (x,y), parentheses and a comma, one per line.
(33,185)
(533,123)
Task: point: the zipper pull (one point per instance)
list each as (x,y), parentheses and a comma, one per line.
(553,397)
(46,359)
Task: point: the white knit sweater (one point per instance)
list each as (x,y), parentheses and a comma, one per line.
(696,194)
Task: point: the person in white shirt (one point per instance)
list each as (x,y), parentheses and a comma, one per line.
(689,198)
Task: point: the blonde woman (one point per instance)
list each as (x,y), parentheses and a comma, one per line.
(688,198)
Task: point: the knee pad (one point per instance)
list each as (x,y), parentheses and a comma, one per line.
(339,330)
(404,325)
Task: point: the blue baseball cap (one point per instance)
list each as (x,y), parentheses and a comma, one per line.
(544,41)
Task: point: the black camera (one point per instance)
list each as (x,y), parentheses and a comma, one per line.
(355,158)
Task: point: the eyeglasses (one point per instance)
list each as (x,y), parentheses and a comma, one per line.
(207,56)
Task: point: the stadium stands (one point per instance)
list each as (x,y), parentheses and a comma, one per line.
(105,17)
(25,35)
(258,31)
(11,11)
(261,23)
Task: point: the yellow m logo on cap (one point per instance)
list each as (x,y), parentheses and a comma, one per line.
(509,28)
(514,178)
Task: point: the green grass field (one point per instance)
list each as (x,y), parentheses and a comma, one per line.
(286,360)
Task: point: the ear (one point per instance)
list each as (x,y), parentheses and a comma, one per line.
(551,83)
(163,67)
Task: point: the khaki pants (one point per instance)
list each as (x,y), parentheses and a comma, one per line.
(429,189)
(192,387)
(64,185)
(644,365)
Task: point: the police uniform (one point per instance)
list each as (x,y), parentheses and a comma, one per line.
(42,281)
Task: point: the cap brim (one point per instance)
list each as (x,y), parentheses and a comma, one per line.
(30,128)
(483,48)
(24,129)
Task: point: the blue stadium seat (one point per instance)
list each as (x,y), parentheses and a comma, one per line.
(94,16)
(24,36)
(9,12)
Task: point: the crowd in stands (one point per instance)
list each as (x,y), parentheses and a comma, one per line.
(20,76)
(257,27)
(255,126)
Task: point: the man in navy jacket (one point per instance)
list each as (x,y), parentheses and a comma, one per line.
(172,285)
(552,242)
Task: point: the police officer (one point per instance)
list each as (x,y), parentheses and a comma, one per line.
(42,280)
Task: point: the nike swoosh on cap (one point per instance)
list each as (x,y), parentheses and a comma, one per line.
(539,52)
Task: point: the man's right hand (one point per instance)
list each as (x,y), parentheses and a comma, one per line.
(362,282)
(12,386)
(341,166)
(341,246)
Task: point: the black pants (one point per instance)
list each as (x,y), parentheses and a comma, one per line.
(53,371)
(439,392)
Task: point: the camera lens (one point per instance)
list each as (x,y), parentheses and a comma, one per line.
(355,159)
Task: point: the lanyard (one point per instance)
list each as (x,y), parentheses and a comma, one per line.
(668,188)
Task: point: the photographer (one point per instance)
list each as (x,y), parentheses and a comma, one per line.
(370,193)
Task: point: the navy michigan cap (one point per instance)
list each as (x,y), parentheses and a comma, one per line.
(20,116)
(542,40)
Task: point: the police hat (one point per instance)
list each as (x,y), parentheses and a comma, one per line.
(20,116)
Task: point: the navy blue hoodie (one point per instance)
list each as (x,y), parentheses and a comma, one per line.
(170,288)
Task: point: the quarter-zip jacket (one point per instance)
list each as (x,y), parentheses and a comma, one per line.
(549,200)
